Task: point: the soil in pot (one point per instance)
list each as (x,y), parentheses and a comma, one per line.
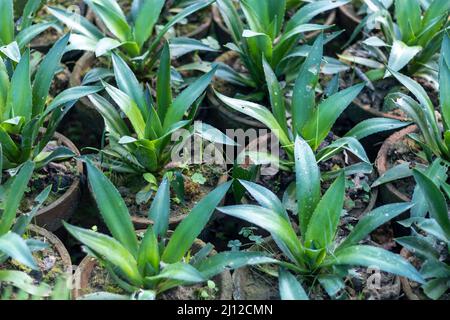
(53,262)
(94,278)
(199,180)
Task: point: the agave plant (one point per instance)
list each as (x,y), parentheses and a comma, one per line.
(431,235)
(311,119)
(315,254)
(131,37)
(433,135)
(411,38)
(266,35)
(28,120)
(160,261)
(14,37)
(147,146)
(12,243)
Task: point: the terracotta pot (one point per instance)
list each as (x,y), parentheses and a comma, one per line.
(348,19)
(64,207)
(224,117)
(57,244)
(410,293)
(84,271)
(388,192)
(82,66)
(143,223)
(224,35)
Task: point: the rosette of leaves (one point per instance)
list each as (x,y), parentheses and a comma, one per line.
(159,262)
(410,38)
(146,145)
(28,119)
(314,254)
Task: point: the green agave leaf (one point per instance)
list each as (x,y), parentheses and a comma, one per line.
(304,98)
(327,112)
(180,271)
(12,51)
(375,125)
(129,107)
(182,45)
(264,197)
(437,204)
(444,80)
(14,196)
(420,246)
(112,208)
(58,154)
(20,91)
(323,224)
(24,282)
(395,173)
(113,120)
(307,183)
(271,221)
(310,10)
(372,221)
(108,249)
(6,22)
(257,112)
(76,23)
(276,96)
(71,95)
(16,248)
(163,83)
(129,84)
(368,256)
(231,18)
(179,17)
(25,36)
(189,229)
(45,73)
(149,251)
(160,209)
(187,98)
(113,17)
(401,54)
(409,18)
(435,288)
(147,15)
(290,288)
(220,262)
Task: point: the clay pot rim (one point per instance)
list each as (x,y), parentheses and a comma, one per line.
(86,266)
(75,184)
(349,12)
(57,244)
(381,162)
